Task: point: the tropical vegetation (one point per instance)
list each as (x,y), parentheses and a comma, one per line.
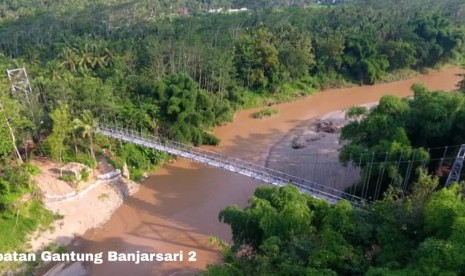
(179,68)
(391,141)
(284,232)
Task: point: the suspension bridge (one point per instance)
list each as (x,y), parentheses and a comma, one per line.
(20,85)
(254,171)
(228,163)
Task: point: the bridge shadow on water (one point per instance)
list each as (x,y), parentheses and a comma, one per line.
(252,147)
(176,209)
(318,161)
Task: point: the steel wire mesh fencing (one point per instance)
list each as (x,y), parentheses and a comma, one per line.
(365,176)
(368,175)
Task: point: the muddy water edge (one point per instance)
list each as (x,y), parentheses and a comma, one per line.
(177,207)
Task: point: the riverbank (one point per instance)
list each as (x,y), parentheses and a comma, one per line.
(82,208)
(177,206)
(323,146)
(295,91)
(235,140)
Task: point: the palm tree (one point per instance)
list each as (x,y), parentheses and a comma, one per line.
(108,57)
(54,70)
(70,59)
(86,125)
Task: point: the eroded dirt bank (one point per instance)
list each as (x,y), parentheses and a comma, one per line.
(177,207)
(84,207)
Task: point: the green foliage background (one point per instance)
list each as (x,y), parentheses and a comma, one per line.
(403,128)
(283,232)
(170,68)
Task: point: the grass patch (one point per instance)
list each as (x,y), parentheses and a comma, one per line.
(69,178)
(399,75)
(292,90)
(81,158)
(267,112)
(85,174)
(32,169)
(16,226)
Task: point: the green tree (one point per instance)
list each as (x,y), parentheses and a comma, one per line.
(329,52)
(186,111)
(396,130)
(14,126)
(86,125)
(62,127)
(363,59)
(70,59)
(386,238)
(295,52)
(400,54)
(8,136)
(257,60)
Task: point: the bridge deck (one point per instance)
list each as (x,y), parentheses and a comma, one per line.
(217,160)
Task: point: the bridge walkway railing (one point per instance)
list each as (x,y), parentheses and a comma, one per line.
(218,160)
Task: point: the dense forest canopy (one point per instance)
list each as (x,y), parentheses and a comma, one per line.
(402,129)
(116,48)
(283,232)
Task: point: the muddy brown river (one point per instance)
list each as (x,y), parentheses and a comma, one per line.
(177,207)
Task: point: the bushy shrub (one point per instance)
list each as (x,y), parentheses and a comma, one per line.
(265,113)
(32,169)
(85,175)
(69,178)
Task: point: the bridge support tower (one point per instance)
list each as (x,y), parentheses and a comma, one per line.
(454,175)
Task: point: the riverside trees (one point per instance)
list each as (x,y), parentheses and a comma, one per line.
(178,76)
(284,232)
(18,216)
(140,65)
(117,69)
(401,129)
